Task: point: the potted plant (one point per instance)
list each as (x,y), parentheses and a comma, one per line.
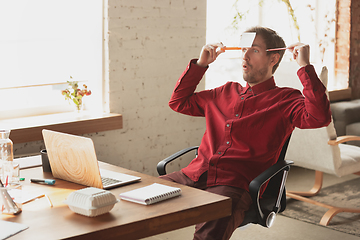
(75,94)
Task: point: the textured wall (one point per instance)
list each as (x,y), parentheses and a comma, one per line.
(150,44)
(354,77)
(348,44)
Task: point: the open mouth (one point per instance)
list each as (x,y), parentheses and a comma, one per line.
(245,67)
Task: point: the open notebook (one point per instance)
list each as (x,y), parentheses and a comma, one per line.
(73,158)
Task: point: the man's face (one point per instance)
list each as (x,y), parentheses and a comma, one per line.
(257,66)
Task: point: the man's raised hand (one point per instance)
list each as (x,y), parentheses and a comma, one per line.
(301,53)
(209,53)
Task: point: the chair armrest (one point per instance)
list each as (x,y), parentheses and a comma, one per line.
(343,139)
(256,184)
(161,166)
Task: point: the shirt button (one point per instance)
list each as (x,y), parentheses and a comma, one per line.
(249,90)
(236,115)
(242,98)
(211,164)
(219,153)
(227,142)
(228,125)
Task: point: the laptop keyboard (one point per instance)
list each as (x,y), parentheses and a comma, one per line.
(108,181)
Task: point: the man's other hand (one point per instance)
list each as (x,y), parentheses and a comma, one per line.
(301,53)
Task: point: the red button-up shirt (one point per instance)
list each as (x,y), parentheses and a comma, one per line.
(246,127)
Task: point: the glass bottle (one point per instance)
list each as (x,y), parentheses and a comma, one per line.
(6,156)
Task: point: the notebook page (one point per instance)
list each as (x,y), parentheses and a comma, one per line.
(9,229)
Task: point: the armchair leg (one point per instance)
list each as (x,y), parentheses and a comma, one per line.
(326,218)
(315,189)
(335,210)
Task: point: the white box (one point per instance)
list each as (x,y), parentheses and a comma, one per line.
(91,201)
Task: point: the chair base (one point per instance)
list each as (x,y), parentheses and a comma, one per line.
(333,210)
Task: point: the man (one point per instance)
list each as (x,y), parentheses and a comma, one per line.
(246,127)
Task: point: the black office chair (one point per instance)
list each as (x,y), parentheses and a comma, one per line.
(263,210)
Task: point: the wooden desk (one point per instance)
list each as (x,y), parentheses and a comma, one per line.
(126,220)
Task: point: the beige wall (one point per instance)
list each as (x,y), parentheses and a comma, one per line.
(150,44)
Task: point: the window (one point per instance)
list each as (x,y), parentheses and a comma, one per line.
(42,44)
(316,22)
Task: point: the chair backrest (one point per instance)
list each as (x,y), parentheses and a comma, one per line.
(309,148)
(263,209)
(272,188)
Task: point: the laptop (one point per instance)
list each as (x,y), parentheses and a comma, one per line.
(73,158)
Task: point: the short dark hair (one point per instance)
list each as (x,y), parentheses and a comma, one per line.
(272,40)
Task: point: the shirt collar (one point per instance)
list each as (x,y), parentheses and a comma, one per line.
(261,87)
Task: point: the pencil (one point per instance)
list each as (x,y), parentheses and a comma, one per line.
(231,48)
(276,49)
(49,201)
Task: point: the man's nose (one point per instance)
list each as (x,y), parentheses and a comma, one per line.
(245,54)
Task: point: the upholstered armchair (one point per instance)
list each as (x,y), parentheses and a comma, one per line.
(323,151)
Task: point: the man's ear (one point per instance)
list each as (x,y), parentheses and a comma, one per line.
(275,58)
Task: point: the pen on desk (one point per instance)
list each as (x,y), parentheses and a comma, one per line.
(49,201)
(38,197)
(44,181)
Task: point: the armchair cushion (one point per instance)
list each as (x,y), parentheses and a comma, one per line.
(353,129)
(345,113)
(350,158)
